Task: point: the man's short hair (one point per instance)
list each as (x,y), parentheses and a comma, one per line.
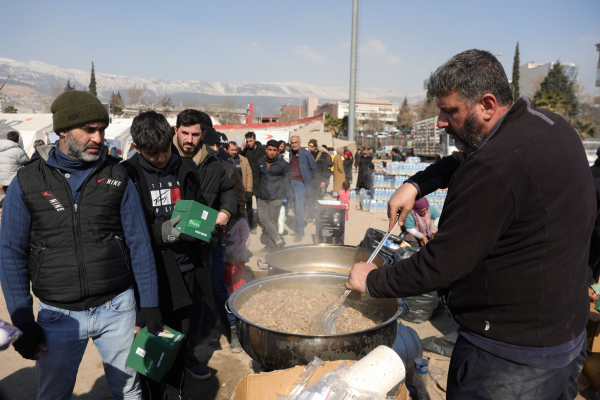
(151,131)
(13,136)
(281,142)
(232,143)
(396,150)
(371,166)
(249,135)
(191,117)
(299,140)
(273,143)
(471,74)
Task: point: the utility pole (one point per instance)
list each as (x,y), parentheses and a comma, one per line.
(353,50)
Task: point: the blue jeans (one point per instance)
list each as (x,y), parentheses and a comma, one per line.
(109,325)
(299,193)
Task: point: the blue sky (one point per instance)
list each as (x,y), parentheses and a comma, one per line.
(301,41)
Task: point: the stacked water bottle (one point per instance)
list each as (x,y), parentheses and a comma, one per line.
(436,199)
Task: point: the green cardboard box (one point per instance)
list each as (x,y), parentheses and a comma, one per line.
(153,355)
(197,220)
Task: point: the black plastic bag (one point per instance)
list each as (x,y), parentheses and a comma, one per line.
(421,308)
(374,236)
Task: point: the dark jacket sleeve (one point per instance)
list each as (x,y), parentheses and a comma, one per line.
(595,240)
(287,178)
(465,238)
(228,195)
(14,256)
(437,175)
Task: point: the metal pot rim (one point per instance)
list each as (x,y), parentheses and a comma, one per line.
(316,245)
(231,304)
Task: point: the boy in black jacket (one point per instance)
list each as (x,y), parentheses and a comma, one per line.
(162,177)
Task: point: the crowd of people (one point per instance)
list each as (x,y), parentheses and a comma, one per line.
(132,268)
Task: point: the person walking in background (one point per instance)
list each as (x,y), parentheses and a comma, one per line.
(348,159)
(339,175)
(74,229)
(244,170)
(253,151)
(283,152)
(12,156)
(303,167)
(357,158)
(396,156)
(275,182)
(344,196)
(320,176)
(365,161)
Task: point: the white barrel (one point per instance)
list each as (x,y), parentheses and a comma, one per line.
(379,372)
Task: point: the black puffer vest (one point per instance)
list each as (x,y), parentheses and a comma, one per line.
(78,256)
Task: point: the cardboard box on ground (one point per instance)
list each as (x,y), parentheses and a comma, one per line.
(591,368)
(266,386)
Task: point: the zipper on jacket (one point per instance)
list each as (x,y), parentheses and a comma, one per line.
(38,265)
(76,223)
(121,246)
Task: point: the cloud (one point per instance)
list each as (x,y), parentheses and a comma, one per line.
(375,49)
(254,45)
(394,60)
(305,51)
(590,39)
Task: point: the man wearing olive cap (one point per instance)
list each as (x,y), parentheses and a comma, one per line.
(74,228)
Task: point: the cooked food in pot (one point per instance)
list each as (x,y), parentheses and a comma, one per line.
(293,310)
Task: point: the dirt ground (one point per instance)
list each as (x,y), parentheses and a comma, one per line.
(18,378)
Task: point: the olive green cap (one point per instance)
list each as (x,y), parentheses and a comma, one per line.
(75,108)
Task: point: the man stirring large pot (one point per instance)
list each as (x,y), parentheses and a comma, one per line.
(510,256)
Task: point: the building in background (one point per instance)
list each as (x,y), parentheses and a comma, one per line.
(532,74)
(291,113)
(369,112)
(310,107)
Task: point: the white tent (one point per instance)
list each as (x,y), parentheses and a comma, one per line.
(118,135)
(32,127)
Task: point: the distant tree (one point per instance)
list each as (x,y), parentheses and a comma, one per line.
(557,86)
(11,110)
(333,124)
(93,82)
(227,114)
(344,127)
(552,101)
(137,95)
(116,103)
(68,86)
(515,74)
(426,109)
(406,117)
(166,104)
(585,128)
(374,123)
(189,103)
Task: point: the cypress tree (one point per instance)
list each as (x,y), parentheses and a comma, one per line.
(68,86)
(93,82)
(515,74)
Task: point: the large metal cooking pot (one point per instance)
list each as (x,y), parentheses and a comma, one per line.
(321,257)
(278,350)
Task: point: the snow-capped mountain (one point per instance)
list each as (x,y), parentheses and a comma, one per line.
(43,76)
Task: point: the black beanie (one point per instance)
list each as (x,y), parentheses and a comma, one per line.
(75,108)
(211,137)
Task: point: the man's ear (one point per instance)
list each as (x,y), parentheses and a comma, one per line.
(136,148)
(62,135)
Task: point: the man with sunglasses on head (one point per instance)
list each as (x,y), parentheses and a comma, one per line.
(74,228)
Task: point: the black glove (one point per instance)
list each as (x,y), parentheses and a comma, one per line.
(33,336)
(150,317)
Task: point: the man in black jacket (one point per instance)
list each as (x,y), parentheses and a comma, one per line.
(509,258)
(320,176)
(162,177)
(275,183)
(253,151)
(220,193)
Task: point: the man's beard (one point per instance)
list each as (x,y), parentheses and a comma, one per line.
(78,151)
(187,152)
(471,136)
